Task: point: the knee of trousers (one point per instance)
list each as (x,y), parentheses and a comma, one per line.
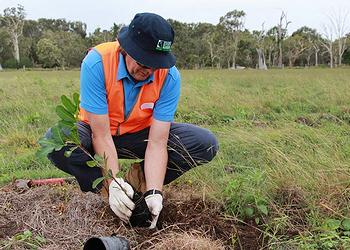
(209,146)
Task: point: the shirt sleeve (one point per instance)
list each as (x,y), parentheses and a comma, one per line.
(165,107)
(92,85)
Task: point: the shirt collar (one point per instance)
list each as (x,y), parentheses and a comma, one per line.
(123,73)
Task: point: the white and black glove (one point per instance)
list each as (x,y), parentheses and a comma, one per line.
(120,199)
(154,201)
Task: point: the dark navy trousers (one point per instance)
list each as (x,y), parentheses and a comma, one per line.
(188,147)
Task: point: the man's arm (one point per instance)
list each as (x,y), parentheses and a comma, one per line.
(103,142)
(156,156)
(120,192)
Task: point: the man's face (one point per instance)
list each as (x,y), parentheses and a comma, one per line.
(138,71)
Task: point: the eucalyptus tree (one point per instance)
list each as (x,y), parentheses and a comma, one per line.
(334,34)
(339,21)
(295,46)
(270,43)
(49,53)
(233,23)
(13,21)
(71,45)
(5,46)
(281,35)
(259,46)
(312,43)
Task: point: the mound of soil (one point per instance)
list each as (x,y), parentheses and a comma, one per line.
(65,218)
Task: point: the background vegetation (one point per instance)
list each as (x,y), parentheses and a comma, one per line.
(60,43)
(284,160)
(284,143)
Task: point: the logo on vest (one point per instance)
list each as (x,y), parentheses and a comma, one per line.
(147,105)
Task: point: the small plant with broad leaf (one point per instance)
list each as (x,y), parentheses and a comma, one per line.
(65,134)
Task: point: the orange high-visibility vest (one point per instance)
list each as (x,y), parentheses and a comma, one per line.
(140,116)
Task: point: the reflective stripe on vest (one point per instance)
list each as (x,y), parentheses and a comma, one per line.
(140,116)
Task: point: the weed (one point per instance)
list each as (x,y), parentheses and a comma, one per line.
(26,239)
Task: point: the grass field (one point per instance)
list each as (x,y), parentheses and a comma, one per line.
(284,159)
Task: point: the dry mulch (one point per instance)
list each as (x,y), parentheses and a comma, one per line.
(65,217)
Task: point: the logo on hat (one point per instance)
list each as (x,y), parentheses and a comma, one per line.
(163,45)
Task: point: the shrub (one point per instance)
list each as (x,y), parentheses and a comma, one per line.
(11,64)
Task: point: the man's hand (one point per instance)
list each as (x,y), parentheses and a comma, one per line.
(155,205)
(120,199)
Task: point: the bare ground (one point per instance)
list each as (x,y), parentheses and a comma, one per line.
(66,218)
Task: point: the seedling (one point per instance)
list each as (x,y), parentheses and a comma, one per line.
(65,134)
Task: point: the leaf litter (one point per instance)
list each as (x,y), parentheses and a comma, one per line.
(64,217)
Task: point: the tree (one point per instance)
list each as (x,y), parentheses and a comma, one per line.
(233,22)
(49,53)
(13,20)
(271,46)
(281,35)
(71,45)
(295,46)
(334,33)
(259,46)
(339,22)
(311,41)
(5,46)
(99,36)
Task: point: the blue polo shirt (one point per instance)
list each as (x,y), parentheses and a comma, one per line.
(93,96)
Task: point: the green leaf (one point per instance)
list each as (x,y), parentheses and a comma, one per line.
(44,151)
(91,164)
(249,211)
(57,135)
(99,159)
(27,233)
(76,100)
(64,114)
(263,209)
(332,224)
(40,239)
(68,153)
(109,173)
(119,174)
(47,146)
(68,104)
(97,181)
(345,224)
(66,124)
(58,147)
(257,220)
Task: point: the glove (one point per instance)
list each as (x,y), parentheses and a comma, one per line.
(120,195)
(154,202)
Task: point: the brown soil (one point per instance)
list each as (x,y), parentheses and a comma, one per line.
(290,203)
(66,218)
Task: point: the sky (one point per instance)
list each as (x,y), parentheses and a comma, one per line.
(103,13)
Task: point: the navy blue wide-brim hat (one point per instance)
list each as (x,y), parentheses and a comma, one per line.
(148,40)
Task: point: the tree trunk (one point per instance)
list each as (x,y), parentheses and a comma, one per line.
(331,53)
(280,56)
(316,57)
(261,59)
(15,47)
(308,59)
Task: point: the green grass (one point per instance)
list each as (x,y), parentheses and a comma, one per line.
(278,130)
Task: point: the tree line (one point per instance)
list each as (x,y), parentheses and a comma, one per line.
(60,43)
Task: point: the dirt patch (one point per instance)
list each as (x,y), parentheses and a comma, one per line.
(290,202)
(306,121)
(66,218)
